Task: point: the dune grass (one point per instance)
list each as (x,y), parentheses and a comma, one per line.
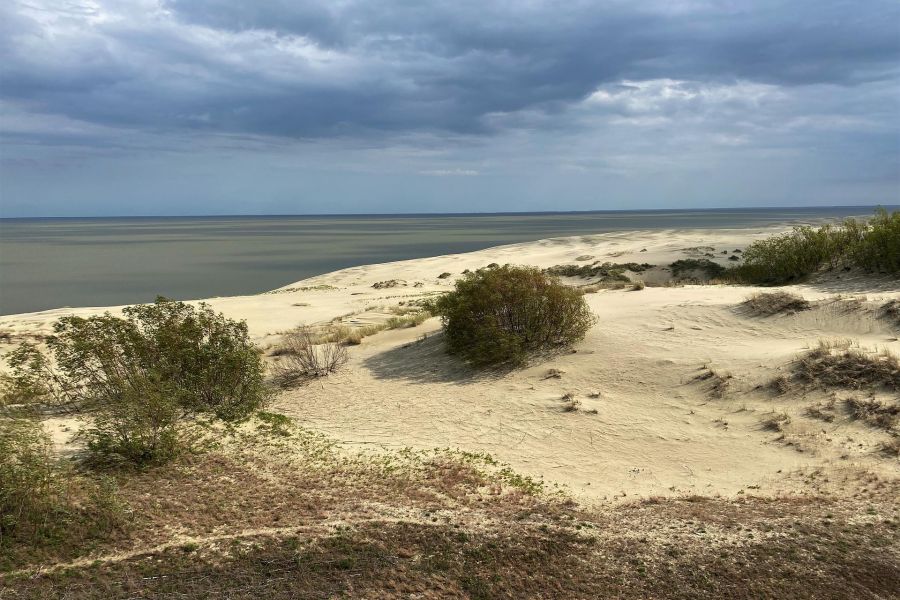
(773,303)
(838,364)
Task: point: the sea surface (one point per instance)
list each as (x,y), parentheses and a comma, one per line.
(57,262)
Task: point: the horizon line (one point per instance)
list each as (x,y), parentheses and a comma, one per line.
(456,214)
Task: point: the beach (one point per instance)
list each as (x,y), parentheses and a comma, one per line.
(652,421)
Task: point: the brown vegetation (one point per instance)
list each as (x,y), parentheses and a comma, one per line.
(839,365)
(773,303)
(304,356)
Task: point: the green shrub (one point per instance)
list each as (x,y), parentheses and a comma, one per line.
(45,504)
(604,271)
(503,314)
(873,245)
(688,266)
(28,485)
(139,374)
(878,248)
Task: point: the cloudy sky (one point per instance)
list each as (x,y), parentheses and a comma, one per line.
(149,107)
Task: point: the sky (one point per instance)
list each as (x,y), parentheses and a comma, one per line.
(194,107)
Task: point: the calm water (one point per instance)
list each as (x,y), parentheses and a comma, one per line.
(51,263)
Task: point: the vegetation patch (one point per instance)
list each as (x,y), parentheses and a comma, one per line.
(839,365)
(890,310)
(302,358)
(45,505)
(604,272)
(504,314)
(687,268)
(673,549)
(137,377)
(390,283)
(875,413)
(872,245)
(774,303)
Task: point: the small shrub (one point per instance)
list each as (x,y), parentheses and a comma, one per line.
(444,275)
(774,303)
(305,359)
(504,314)
(638,286)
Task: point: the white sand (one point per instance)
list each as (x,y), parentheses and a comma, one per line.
(657,430)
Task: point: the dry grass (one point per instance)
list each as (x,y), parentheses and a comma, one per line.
(812,547)
(303,356)
(837,364)
(823,412)
(774,303)
(875,413)
(718,384)
(891,311)
(776,422)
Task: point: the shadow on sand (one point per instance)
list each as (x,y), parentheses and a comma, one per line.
(426,361)
(854,282)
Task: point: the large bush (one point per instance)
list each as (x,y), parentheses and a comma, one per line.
(872,245)
(503,314)
(878,249)
(137,375)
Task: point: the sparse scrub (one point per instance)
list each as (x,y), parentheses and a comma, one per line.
(605,272)
(138,375)
(875,413)
(719,384)
(306,357)
(773,303)
(408,320)
(839,365)
(638,285)
(504,314)
(444,275)
(823,412)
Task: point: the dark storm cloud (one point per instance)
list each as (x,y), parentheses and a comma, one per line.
(284,106)
(319,69)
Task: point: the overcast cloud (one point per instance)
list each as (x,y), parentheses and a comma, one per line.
(125,107)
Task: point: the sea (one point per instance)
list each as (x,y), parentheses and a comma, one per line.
(48,263)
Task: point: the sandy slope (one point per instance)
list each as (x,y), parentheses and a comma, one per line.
(657,430)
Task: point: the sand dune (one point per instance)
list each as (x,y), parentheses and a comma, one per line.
(652,420)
